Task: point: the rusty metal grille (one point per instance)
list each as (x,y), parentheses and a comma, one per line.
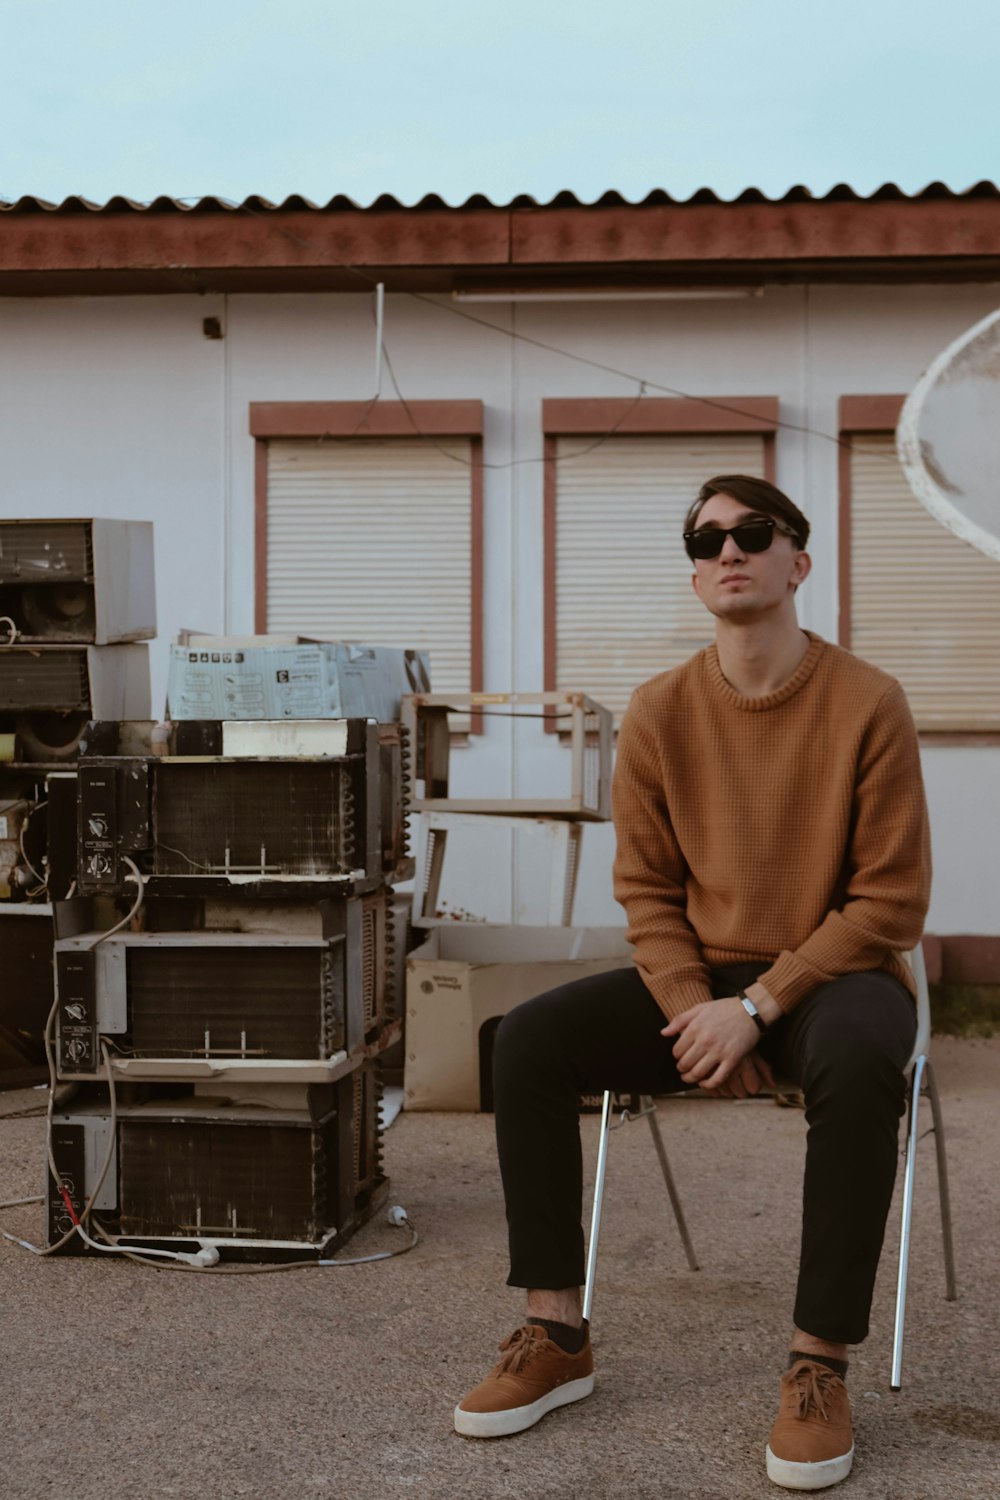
(251,817)
(243,1180)
(45,551)
(369,966)
(359,1128)
(49,679)
(255,1002)
(367,1128)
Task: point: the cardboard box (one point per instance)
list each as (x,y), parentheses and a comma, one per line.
(241,677)
(465,978)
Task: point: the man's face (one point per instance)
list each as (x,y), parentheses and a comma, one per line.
(740,585)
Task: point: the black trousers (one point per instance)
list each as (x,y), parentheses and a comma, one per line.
(845,1045)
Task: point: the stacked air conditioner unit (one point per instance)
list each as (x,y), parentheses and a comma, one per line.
(239,1016)
(77,602)
(77,598)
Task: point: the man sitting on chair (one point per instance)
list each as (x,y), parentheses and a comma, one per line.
(772,857)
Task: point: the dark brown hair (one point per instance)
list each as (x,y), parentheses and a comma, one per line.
(766,499)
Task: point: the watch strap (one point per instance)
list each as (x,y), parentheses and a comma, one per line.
(752,1011)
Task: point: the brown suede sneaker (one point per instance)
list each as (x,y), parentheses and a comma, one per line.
(533,1376)
(811,1443)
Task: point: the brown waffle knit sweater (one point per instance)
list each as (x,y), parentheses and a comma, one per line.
(788,830)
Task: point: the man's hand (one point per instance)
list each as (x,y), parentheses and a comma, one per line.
(713,1046)
(746,1079)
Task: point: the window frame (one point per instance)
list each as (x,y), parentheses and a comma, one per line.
(860,416)
(271,421)
(653,416)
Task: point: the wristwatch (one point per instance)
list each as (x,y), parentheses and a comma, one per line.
(752,1011)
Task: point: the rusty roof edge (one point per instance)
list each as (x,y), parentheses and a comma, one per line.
(433,202)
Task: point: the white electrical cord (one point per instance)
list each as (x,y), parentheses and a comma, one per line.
(137,877)
(20,841)
(51,1059)
(396,1216)
(12,632)
(204,1260)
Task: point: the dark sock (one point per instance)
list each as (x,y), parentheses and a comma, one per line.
(570,1340)
(838,1366)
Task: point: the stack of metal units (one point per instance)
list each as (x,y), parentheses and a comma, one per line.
(77,597)
(239,1016)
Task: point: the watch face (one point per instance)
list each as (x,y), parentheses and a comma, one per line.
(752,1011)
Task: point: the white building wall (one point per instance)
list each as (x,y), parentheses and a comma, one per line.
(121,407)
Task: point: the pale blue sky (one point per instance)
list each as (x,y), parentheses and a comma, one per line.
(231,97)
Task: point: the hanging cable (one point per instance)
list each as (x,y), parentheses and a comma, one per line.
(731,408)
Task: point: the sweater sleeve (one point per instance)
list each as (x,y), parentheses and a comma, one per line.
(649,874)
(888,868)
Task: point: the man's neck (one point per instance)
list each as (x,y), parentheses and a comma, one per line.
(759,657)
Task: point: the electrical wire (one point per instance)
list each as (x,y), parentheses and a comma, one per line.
(50,1056)
(513,463)
(152,1257)
(136,905)
(43,884)
(187,858)
(12,632)
(136,1254)
(644,382)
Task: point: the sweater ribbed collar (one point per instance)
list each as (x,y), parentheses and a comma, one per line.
(788,689)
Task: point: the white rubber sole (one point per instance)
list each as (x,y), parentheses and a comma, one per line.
(489,1424)
(809,1476)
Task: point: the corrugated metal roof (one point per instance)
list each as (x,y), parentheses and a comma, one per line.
(386,202)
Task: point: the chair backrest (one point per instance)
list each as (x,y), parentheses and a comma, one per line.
(922,1042)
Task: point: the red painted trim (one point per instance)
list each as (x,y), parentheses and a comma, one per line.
(705,241)
(315,419)
(932,737)
(755,232)
(659,414)
(239,239)
(260,536)
(340,419)
(550,582)
(860,415)
(664,416)
(869,413)
(476,664)
(844,543)
(855,415)
(964,958)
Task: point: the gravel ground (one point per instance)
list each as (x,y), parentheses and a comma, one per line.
(121,1381)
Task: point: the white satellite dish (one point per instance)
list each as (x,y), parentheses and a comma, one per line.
(948,438)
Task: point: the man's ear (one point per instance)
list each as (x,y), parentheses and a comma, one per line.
(695,584)
(801,569)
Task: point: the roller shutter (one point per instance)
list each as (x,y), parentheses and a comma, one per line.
(924,605)
(370,541)
(625,608)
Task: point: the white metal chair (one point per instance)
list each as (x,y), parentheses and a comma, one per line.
(921,1078)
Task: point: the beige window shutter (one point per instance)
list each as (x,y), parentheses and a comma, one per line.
(371,541)
(625,608)
(924,605)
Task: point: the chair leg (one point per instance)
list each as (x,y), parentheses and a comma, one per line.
(668,1178)
(595,1218)
(909,1174)
(951,1291)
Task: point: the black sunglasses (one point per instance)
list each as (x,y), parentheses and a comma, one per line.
(750,536)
